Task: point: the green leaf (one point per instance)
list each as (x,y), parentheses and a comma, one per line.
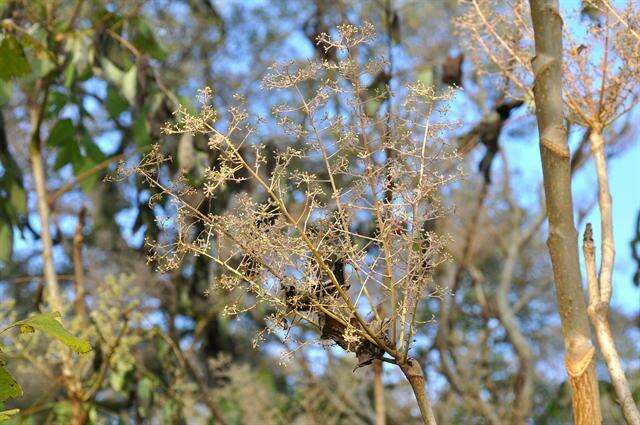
(62,412)
(9,388)
(5,92)
(112,72)
(125,81)
(91,149)
(187,103)
(62,133)
(69,73)
(62,136)
(141,132)
(80,45)
(128,85)
(50,325)
(41,60)
(116,104)
(120,374)
(145,395)
(7,414)
(157,100)
(6,242)
(14,62)
(68,153)
(93,415)
(57,101)
(170,412)
(144,40)
(89,182)
(41,64)
(18,198)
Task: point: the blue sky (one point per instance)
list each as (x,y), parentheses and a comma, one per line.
(624,179)
(625,192)
(524,154)
(624,174)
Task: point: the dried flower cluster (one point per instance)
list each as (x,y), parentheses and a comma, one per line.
(346,247)
(601,63)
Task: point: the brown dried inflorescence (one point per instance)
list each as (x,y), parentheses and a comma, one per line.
(600,64)
(333,231)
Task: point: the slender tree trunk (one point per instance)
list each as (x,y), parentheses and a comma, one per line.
(78,269)
(524,389)
(562,241)
(72,385)
(618,378)
(40,183)
(413,371)
(600,287)
(378,393)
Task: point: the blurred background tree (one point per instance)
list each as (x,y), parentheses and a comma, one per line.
(85,84)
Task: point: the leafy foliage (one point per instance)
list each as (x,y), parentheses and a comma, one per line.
(172,347)
(14,61)
(9,388)
(49,323)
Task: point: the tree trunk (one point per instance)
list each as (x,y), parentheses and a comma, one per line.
(600,287)
(378,393)
(413,372)
(72,385)
(78,269)
(39,180)
(562,241)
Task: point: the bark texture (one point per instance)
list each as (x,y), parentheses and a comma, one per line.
(78,268)
(72,385)
(378,392)
(601,287)
(413,371)
(51,279)
(563,238)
